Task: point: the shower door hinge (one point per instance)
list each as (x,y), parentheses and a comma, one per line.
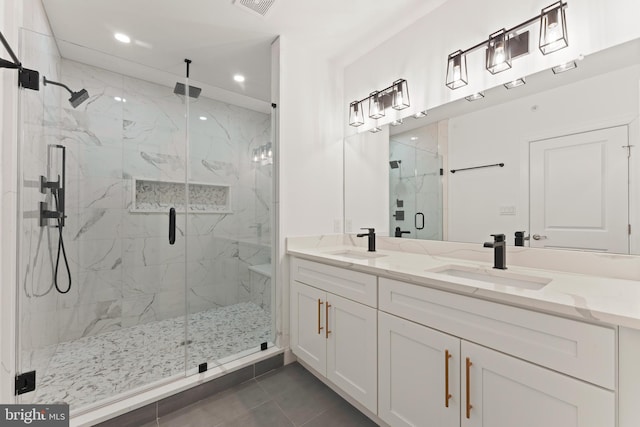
(263,346)
(29,79)
(202,367)
(25,382)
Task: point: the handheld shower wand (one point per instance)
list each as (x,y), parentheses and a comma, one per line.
(57,189)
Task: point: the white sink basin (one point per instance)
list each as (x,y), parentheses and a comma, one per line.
(495,276)
(357,254)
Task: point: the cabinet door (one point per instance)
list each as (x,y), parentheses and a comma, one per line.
(308,339)
(413,368)
(352,349)
(506,392)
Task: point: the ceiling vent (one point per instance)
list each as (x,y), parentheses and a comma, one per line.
(259,7)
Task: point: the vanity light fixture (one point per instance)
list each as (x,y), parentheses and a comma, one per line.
(119,99)
(239,78)
(269,151)
(420,114)
(356,115)
(564,67)
(395,96)
(475,96)
(400,95)
(457,70)
(498,52)
(515,83)
(376,105)
(553,28)
(255,155)
(505,45)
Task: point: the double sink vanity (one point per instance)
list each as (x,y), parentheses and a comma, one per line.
(425,333)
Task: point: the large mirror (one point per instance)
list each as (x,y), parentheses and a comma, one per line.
(556,158)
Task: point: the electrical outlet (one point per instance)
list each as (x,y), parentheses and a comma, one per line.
(507,210)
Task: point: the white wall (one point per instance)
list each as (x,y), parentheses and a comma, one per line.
(310,153)
(501,133)
(419,52)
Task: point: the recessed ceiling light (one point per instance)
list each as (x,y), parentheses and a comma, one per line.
(117,98)
(122,38)
(239,78)
(203,118)
(414,138)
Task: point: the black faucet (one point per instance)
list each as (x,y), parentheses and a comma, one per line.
(399,232)
(499,246)
(372,238)
(519,241)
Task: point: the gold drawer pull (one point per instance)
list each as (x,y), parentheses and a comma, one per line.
(447,395)
(319,305)
(469,405)
(326,319)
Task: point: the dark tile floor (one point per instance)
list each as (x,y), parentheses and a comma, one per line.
(289,396)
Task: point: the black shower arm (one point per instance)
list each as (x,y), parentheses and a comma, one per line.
(51,82)
(5,63)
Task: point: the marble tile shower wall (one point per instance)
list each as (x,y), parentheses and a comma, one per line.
(125,272)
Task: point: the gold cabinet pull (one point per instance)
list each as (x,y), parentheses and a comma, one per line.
(469,405)
(326,319)
(447,395)
(319,305)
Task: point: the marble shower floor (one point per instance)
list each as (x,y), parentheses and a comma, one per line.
(91,369)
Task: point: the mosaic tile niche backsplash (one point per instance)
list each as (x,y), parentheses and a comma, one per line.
(123,269)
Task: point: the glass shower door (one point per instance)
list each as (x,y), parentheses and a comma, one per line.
(109,164)
(229,288)
(428,195)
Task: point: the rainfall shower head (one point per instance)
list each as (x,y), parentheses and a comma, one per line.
(194,92)
(395,164)
(76,99)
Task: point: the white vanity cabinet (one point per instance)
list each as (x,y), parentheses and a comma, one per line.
(418,374)
(333,329)
(502,391)
(494,389)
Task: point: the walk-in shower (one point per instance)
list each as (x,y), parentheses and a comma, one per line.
(98,182)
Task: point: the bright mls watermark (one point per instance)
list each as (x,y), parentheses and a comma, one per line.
(34,415)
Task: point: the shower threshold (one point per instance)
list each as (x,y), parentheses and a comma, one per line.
(97,368)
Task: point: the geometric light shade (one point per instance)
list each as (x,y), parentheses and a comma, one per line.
(356,115)
(376,105)
(456,70)
(515,83)
(498,52)
(553,29)
(400,94)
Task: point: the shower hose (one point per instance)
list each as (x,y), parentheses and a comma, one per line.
(62,250)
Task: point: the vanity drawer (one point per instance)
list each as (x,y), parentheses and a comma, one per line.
(356,286)
(575,348)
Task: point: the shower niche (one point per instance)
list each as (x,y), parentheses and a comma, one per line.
(153,196)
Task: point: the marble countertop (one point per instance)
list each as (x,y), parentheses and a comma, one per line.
(586,297)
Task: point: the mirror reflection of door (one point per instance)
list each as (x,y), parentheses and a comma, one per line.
(415,185)
(579,187)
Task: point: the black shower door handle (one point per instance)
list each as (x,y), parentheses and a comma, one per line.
(172,226)
(416,220)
